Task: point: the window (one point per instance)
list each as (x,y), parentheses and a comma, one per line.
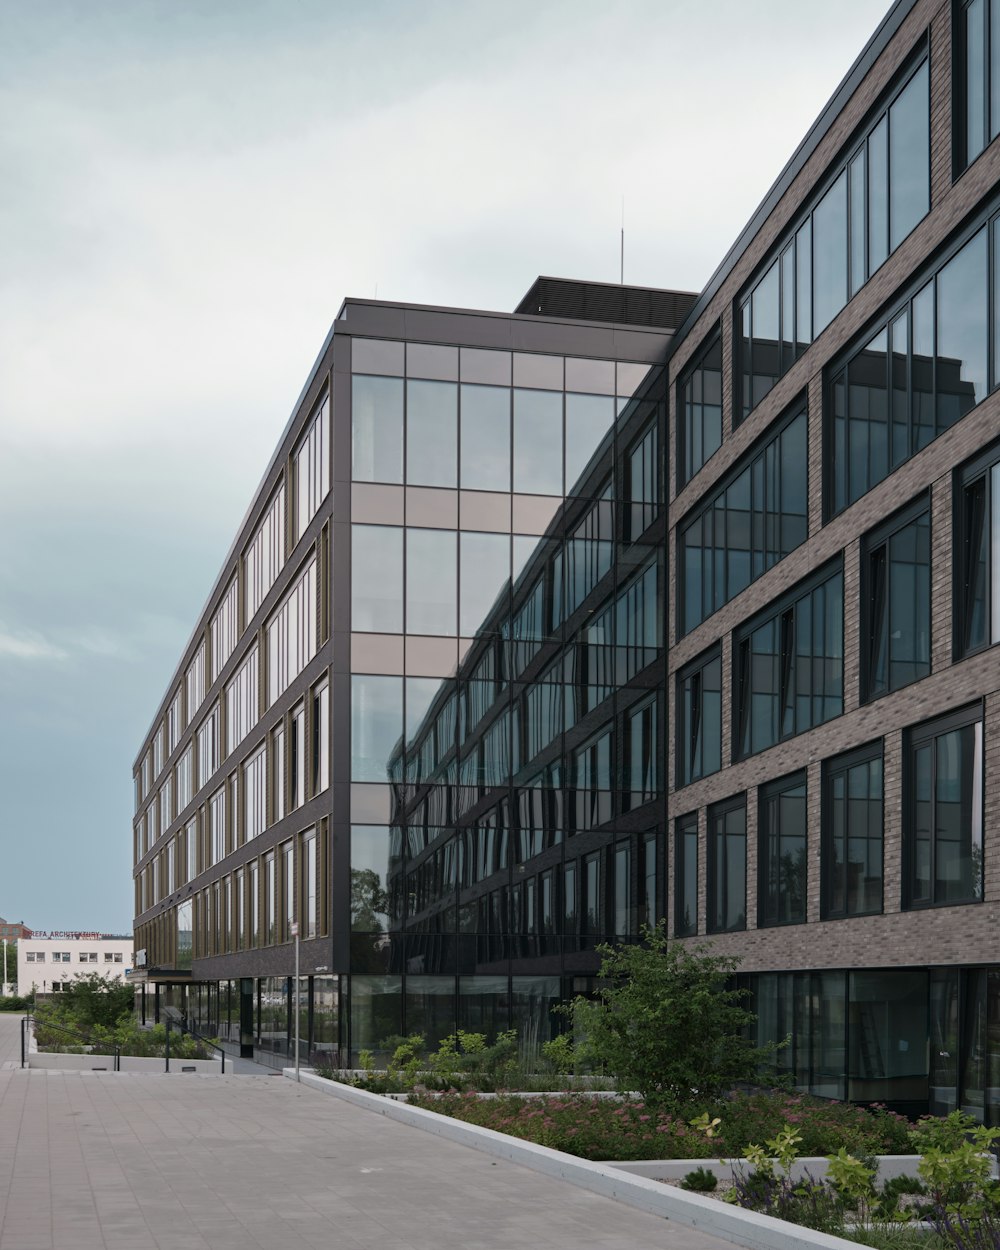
(790,665)
(377,578)
(288,881)
(755,518)
(107,957)
(977,564)
(943,811)
(255,794)
(923,370)
(208,747)
(643,779)
(173,722)
(781,894)
(241,702)
(312,468)
(686,876)
(727,866)
(377,429)
(376,726)
(166,805)
(291,633)
(644,482)
(321,739)
(310,910)
(118,958)
(278,756)
(158,738)
(699,409)
(270,900)
(431,581)
(871,205)
(592,780)
(191,841)
(254,888)
(699,718)
(852,834)
(298,760)
(485,439)
(194,683)
(431,433)
(977,75)
(225,628)
(217,826)
(185,779)
(896,598)
(265,556)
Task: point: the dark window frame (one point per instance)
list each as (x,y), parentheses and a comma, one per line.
(871,543)
(756,453)
(961,159)
(765,795)
(711,341)
(927,732)
(856,145)
(736,802)
(684,749)
(777,611)
(833,767)
(966,477)
(684,826)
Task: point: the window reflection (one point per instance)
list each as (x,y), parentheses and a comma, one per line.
(538,442)
(376,429)
(431,433)
(485,440)
(431,581)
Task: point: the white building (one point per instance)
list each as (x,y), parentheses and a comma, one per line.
(47,961)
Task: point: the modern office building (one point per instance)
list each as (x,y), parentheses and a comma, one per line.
(631,605)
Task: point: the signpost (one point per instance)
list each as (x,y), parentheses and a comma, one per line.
(296,997)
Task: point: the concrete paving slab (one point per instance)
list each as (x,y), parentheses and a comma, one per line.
(156,1162)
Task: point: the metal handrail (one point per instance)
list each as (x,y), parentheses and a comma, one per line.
(29,1021)
(205,1041)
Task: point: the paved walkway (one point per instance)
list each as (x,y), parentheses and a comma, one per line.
(10,1040)
(106,1161)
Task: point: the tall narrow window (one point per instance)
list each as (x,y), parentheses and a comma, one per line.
(977,563)
(943,811)
(288,884)
(643,756)
(852,834)
(727,866)
(310,912)
(624,923)
(321,739)
(312,468)
(270,900)
(699,409)
(686,876)
(644,482)
(977,73)
(265,555)
(897,602)
(292,633)
(781,895)
(225,628)
(278,765)
(298,757)
(699,718)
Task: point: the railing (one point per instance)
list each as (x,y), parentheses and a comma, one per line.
(183,1028)
(28,1023)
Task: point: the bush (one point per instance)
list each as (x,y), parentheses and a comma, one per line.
(700,1181)
(15,1002)
(667,1023)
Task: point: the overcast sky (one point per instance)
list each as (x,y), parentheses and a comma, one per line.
(188,188)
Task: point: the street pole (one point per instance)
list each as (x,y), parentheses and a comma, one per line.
(295,996)
(4,988)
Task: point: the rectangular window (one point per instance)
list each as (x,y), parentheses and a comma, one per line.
(643,781)
(790,665)
(254,891)
(255,794)
(270,900)
(896,599)
(312,468)
(686,876)
(191,842)
(194,683)
(185,779)
(288,884)
(727,866)
(592,918)
(298,757)
(977,555)
(699,409)
(781,891)
(644,482)
(291,633)
(699,718)
(649,908)
(321,739)
(173,723)
(943,811)
(754,519)
(852,834)
(166,805)
(241,702)
(225,628)
(239,886)
(217,825)
(208,747)
(310,908)
(265,555)
(278,758)
(624,920)
(977,76)
(923,370)
(377,579)
(880,193)
(376,429)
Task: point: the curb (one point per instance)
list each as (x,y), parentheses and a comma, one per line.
(718,1219)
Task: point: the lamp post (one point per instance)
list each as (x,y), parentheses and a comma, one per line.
(5,982)
(295,996)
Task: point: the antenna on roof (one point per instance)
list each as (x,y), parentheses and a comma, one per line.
(376,290)
(621,273)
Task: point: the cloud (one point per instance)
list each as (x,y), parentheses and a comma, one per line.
(29,646)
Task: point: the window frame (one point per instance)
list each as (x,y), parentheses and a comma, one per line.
(831,768)
(927,732)
(876,539)
(981,467)
(766,794)
(684,774)
(736,802)
(684,826)
(711,340)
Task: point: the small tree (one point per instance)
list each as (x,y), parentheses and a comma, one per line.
(667,1022)
(96,1000)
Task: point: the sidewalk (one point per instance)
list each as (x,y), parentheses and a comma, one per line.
(106,1161)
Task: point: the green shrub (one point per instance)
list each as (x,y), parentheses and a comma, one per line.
(700,1181)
